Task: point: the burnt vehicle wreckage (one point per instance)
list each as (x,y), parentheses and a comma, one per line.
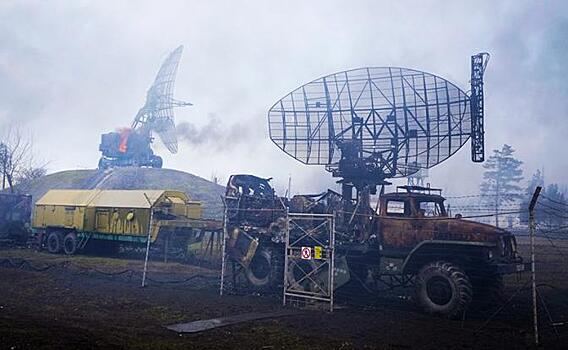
(15,213)
(366,126)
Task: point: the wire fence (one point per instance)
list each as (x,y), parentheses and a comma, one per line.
(550,258)
(394,291)
(514,308)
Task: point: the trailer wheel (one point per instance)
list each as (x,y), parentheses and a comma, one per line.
(54,242)
(70,243)
(442,288)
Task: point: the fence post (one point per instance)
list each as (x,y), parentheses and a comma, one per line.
(224,248)
(150,224)
(532,227)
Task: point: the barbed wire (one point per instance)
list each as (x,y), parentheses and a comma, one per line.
(552,207)
(553,201)
(472,196)
(393,216)
(554,214)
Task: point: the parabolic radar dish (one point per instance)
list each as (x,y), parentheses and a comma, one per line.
(157,114)
(399,120)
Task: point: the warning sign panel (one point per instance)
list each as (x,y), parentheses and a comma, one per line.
(318,252)
(306,253)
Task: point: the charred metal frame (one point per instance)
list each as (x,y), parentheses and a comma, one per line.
(314,229)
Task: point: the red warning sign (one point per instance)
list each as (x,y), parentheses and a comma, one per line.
(306,253)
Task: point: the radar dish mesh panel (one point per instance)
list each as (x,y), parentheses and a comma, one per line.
(407,118)
(157,113)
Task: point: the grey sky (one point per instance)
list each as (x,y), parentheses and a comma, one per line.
(71,70)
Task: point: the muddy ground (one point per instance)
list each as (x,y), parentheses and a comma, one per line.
(88,302)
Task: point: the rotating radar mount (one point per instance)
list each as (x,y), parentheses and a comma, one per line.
(368,125)
(132,146)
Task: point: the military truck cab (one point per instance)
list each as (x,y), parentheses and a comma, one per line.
(452,261)
(415,202)
(414,220)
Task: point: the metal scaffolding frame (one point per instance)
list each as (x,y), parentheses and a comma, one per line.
(309,277)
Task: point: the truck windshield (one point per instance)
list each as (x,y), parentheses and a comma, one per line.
(431,208)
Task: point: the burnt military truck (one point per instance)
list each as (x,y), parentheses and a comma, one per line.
(409,241)
(15,215)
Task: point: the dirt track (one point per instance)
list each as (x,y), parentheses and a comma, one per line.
(72,306)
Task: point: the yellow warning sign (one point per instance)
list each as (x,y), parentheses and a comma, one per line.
(317,252)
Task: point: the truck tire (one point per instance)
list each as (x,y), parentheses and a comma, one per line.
(265,270)
(442,288)
(156,162)
(54,242)
(70,243)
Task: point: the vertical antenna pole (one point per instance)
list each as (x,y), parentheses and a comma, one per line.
(478,64)
(286,252)
(223,253)
(532,227)
(332,262)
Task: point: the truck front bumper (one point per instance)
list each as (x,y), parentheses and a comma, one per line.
(506,269)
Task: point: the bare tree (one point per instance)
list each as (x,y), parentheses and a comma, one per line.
(17,162)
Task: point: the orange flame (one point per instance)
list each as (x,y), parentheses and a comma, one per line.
(124,134)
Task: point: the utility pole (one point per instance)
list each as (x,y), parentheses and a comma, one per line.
(532,228)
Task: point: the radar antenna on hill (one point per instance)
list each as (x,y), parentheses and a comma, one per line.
(368,125)
(157,114)
(131,147)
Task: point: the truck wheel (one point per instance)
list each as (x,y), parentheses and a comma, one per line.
(70,243)
(264,271)
(54,242)
(443,288)
(157,162)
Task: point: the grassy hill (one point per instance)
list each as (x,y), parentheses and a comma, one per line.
(196,187)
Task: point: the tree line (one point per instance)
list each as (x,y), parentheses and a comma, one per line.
(18,166)
(501,189)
